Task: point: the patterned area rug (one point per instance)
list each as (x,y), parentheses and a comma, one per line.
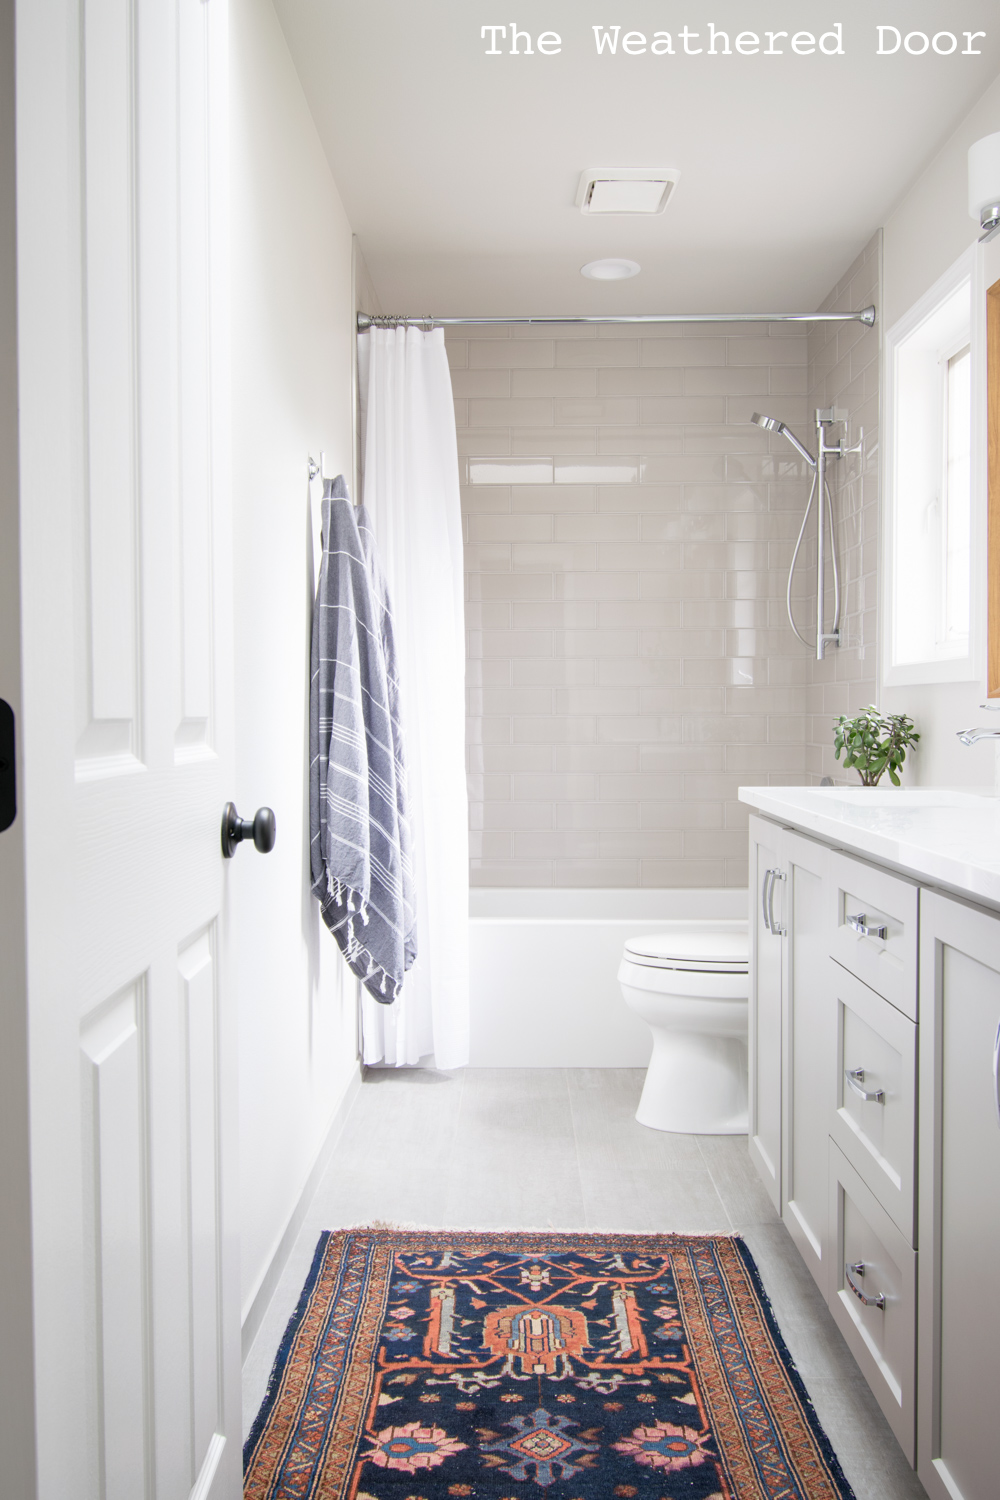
(425,1364)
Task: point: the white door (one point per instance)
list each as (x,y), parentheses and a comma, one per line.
(126,722)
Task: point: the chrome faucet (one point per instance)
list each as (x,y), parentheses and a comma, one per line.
(970,736)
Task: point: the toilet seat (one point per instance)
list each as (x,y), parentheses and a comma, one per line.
(712,949)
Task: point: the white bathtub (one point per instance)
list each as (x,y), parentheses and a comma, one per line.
(544,967)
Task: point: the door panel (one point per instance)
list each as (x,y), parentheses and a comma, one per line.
(969,1285)
(107,689)
(766,951)
(199,1020)
(193,729)
(126,618)
(808,1052)
(113,1044)
(959,1200)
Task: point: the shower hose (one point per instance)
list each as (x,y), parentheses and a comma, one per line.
(833,555)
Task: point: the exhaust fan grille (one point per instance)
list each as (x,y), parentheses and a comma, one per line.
(626,190)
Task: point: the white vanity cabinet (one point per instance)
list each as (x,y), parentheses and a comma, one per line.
(958,1359)
(875,1123)
(791,1032)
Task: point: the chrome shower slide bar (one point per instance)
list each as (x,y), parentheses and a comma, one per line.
(866,315)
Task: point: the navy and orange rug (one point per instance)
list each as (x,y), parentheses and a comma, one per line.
(425,1364)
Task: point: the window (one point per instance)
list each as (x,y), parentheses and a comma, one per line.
(931,632)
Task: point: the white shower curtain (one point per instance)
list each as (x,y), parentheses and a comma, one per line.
(411,493)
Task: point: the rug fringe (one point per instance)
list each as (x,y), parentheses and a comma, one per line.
(407,1225)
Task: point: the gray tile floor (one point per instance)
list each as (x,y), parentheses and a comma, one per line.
(560,1148)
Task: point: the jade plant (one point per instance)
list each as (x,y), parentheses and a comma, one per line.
(874,743)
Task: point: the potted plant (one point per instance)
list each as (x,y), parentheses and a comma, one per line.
(874,743)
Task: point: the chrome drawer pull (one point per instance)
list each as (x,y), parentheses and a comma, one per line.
(855,1078)
(860,924)
(765,892)
(996,1074)
(858,1268)
(769,918)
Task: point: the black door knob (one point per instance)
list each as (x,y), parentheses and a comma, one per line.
(8,789)
(262,828)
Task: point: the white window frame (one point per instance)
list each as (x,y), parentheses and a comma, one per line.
(972,665)
(962,346)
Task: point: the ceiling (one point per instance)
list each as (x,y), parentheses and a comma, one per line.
(459,170)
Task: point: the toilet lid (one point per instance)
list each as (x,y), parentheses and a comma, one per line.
(712,949)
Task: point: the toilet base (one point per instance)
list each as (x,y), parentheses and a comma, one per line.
(695,1084)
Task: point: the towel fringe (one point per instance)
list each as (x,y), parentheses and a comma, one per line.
(351,905)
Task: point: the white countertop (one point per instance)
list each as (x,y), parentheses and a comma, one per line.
(935,835)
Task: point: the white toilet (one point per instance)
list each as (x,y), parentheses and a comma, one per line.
(690,984)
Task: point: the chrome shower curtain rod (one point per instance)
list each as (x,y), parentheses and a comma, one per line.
(390,320)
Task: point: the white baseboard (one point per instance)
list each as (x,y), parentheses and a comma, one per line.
(257,1303)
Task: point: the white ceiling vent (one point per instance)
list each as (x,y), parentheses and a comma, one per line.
(625,190)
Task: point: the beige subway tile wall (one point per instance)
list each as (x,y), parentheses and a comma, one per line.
(627,538)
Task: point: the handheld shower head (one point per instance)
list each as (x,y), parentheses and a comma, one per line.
(772,424)
(821,490)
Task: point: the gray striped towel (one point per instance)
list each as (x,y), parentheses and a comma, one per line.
(362,873)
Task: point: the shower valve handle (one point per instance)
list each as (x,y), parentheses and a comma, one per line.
(840,450)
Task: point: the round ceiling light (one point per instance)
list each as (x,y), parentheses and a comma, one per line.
(610,270)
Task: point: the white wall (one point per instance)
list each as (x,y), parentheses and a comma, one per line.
(924,235)
(292,348)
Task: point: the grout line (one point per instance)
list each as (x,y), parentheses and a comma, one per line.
(576,1148)
(446,1168)
(718,1190)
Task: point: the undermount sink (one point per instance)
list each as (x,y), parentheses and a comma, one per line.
(908,797)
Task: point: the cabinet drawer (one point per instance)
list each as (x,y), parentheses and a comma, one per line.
(876,1055)
(872,1261)
(875,930)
